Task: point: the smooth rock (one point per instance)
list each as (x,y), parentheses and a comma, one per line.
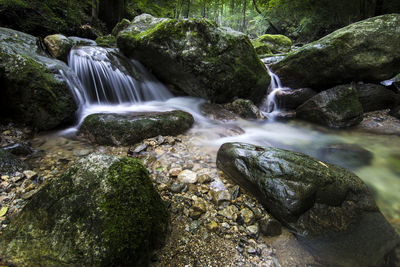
(337,107)
(375,97)
(59,46)
(187,177)
(292,98)
(329,209)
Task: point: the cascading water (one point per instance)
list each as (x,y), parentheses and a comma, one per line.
(271,106)
(107,77)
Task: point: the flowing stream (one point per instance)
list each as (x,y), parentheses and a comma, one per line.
(108,82)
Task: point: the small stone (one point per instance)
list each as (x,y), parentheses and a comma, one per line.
(175,171)
(235,191)
(5,177)
(252,230)
(212,226)
(81,152)
(177,188)
(270,226)
(204,178)
(30,174)
(228,212)
(252,251)
(187,176)
(30,188)
(225,225)
(198,208)
(247,215)
(221,198)
(170,140)
(159,152)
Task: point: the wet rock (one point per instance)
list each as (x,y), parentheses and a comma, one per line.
(337,107)
(89,216)
(10,164)
(212,226)
(395,112)
(78,41)
(229,212)
(127,129)
(380,122)
(252,230)
(221,198)
(247,215)
(291,99)
(33,91)
(346,155)
(19,149)
(328,208)
(375,97)
(363,51)
(270,227)
(177,187)
(187,177)
(217,112)
(245,109)
(272,44)
(198,208)
(202,59)
(204,179)
(395,81)
(59,46)
(123,24)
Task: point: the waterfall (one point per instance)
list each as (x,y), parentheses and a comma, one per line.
(108,77)
(271,107)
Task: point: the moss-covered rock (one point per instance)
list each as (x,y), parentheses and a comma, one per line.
(58,46)
(245,109)
(123,24)
(337,107)
(32,89)
(364,51)
(106,41)
(328,208)
(128,129)
(103,211)
(272,43)
(197,58)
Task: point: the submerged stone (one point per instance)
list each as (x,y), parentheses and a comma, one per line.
(102,211)
(329,209)
(32,89)
(197,58)
(363,51)
(337,107)
(128,129)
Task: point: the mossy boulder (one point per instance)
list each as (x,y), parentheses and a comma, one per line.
(245,109)
(32,90)
(58,46)
(197,58)
(364,51)
(329,209)
(128,129)
(103,211)
(123,24)
(291,99)
(106,41)
(272,44)
(9,164)
(337,107)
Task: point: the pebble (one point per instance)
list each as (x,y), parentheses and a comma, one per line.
(212,226)
(204,179)
(221,198)
(247,215)
(30,174)
(228,212)
(175,171)
(187,176)
(252,230)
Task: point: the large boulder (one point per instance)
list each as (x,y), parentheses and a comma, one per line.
(272,43)
(197,58)
(59,46)
(375,97)
(32,90)
(103,211)
(364,51)
(128,129)
(337,107)
(328,208)
(291,99)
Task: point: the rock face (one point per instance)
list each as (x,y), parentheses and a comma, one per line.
(337,107)
(58,46)
(103,211)
(32,91)
(272,43)
(128,129)
(375,97)
(328,208)
(364,51)
(291,99)
(197,58)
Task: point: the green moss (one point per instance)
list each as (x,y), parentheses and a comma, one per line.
(276,43)
(261,48)
(106,41)
(134,214)
(124,23)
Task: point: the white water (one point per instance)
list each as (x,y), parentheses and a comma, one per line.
(210,134)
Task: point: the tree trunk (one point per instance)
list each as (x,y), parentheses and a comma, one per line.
(187,9)
(111,12)
(204,9)
(379,7)
(244,15)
